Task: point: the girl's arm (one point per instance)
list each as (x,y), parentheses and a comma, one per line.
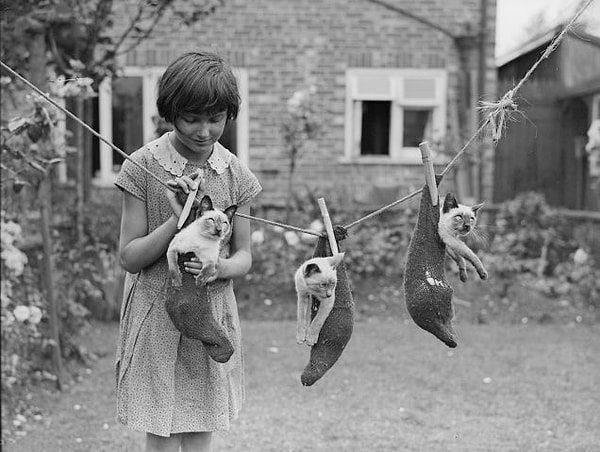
(240,258)
(137,248)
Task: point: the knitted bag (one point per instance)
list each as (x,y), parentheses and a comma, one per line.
(191,312)
(337,329)
(428,295)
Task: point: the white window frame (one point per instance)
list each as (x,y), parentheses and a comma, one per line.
(150,76)
(388,85)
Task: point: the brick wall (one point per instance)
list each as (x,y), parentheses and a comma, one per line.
(287,44)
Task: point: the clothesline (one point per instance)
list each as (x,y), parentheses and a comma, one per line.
(495,114)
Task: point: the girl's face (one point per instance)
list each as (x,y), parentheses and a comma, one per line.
(197,133)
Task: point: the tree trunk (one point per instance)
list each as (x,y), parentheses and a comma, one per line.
(37,58)
(45,200)
(290,187)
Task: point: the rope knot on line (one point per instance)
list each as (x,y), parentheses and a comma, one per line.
(497,113)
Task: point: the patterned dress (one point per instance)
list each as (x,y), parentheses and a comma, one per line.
(166,383)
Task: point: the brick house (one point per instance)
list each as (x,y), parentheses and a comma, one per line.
(388,75)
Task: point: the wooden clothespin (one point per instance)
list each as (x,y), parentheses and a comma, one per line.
(187,207)
(328,226)
(429,172)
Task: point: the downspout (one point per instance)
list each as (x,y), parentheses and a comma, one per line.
(481,70)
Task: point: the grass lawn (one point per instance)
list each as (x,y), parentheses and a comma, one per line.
(519,388)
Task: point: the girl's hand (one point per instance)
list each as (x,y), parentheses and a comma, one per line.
(185,184)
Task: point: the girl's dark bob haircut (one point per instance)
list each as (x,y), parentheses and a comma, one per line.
(197,83)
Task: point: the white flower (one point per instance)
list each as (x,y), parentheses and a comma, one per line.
(295,103)
(21,313)
(580,257)
(258,236)
(35,315)
(291,238)
(5,293)
(316,225)
(14,259)
(10,232)
(8,319)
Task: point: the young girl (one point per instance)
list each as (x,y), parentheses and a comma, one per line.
(167,385)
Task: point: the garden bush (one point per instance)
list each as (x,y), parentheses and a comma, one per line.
(376,247)
(532,244)
(81,278)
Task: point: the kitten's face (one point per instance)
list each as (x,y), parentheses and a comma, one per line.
(459,218)
(214,223)
(320,275)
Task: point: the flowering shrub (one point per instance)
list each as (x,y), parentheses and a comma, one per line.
(535,246)
(22,316)
(80,281)
(373,249)
(300,125)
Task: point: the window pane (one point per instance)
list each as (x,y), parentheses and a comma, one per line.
(375,137)
(373,87)
(416,126)
(128,116)
(419,88)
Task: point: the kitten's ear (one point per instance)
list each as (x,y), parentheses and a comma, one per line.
(311,269)
(230,212)
(205,205)
(449,203)
(336,259)
(477,207)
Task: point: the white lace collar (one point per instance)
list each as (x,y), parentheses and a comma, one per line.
(172,161)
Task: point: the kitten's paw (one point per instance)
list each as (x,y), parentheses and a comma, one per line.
(300,335)
(201,280)
(176,279)
(206,275)
(462,274)
(311,339)
(483,274)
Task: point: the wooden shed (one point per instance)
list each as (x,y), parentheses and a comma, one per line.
(543,148)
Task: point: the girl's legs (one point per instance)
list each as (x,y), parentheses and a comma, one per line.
(196,442)
(155,443)
(189,442)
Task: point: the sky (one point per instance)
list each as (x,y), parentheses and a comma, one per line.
(515,17)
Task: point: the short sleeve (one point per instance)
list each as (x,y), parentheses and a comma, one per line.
(132,178)
(247,187)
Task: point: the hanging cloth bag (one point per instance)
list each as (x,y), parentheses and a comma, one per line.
(337,329)
(428,295)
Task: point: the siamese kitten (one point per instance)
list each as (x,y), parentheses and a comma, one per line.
(203,237)
(458,220)
(316,277)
